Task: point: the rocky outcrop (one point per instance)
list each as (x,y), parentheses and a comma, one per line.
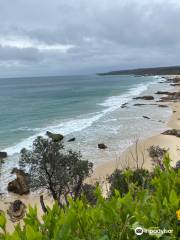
(164,92)
(72,139)
(20,185)
(102,146)
(173,132)
(56,137)
(124,105)
(144,98)
(3,155)
(16,210)
(171,97)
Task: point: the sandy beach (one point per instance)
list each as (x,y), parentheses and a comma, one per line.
(126,159)
(139,150)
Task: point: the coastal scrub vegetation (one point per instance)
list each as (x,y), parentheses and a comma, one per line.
(59,171)
(137,198)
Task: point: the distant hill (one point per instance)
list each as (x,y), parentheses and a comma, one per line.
(175,70)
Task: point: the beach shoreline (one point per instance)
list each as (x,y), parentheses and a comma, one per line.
(125,160)
(169,142)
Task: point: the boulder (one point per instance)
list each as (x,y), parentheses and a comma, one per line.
(173,132)
(146,117)
(20,185)
(3,154)
(56,137)
(144,98)
(72,139)
(16,210)
(102,146)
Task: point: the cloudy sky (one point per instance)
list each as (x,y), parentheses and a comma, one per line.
(43,37)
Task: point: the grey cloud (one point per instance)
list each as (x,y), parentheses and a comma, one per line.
(25,54)
(106,35)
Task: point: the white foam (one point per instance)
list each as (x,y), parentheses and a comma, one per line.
(115,102)
(79,124)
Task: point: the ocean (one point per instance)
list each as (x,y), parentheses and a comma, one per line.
(85,107)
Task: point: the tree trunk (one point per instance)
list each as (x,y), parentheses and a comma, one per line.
(43,206)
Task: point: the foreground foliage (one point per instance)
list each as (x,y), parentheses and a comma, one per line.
(154,206)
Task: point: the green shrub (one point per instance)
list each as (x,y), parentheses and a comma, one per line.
(114,218)
(122,180)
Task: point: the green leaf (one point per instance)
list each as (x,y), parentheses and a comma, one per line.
(2,220)
(173,198)
(31,234)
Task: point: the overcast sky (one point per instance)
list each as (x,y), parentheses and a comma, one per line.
(57,37)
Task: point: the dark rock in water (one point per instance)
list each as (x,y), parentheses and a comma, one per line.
(139,104)
(175,84)
(124,105)
(143,104)
(146,117)
(163,106)
(21,184)
(162,92)
(16,210)
(102,146)
(161,121)
(3,154)
(173,132)
(56,137)
(145,98)
(72,139)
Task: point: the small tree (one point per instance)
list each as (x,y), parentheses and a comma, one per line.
(157,153)
(51,167)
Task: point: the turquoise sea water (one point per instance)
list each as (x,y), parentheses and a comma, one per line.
(85,107)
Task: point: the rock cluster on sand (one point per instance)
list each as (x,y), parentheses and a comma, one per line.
(16,210)
(173,132)
(171,97)
(20,185)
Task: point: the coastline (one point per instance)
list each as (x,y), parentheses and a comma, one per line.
(172,143)
(123,161)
